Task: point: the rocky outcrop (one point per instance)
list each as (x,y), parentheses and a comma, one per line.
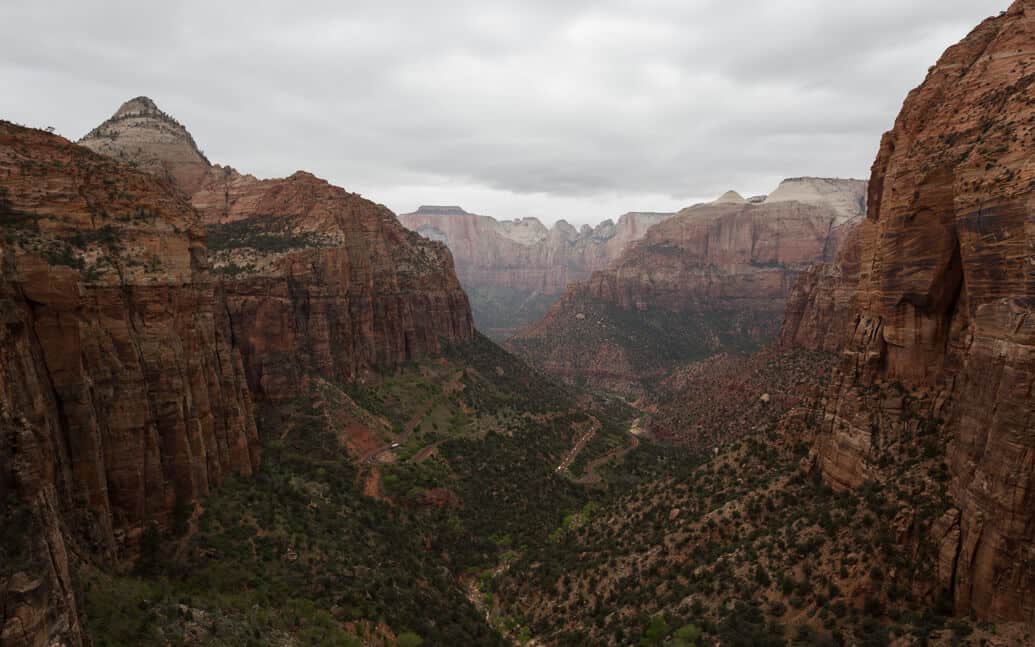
(144,136)
(846,197)
(121,391)
(321,281)
(714,278)
(317,280)
(514,270)
(939,331)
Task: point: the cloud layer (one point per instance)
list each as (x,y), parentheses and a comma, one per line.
(575,109)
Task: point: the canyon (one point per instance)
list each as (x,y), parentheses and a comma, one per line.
(123,393)
(514,270)
(254,411)
(713,278)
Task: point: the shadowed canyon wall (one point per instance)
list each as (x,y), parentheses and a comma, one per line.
(120,388)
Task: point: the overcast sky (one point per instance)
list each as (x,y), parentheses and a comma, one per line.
(550,108)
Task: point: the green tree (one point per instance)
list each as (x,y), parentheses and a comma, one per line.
(657,631)
(410,639)
(686,636)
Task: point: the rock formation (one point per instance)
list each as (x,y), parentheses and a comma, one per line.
(144,136)
(730,197)
(713,278)
(317,280)
(514,270)
(321,281)
(846,197)
(129,363)
(121,392)
(932,307)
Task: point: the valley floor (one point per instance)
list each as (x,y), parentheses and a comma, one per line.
(470,501)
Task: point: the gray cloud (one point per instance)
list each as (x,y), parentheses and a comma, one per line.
(571,109)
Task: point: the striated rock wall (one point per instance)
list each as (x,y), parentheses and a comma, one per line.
(940,323)
(120,389)
(713,278)
(514,269)
(322,281)
(316,280)
(525,254)
(821,308)
(128,364)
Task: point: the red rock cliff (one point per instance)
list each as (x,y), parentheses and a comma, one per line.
(942,309)
(322,281)
(317,280)
(120,389)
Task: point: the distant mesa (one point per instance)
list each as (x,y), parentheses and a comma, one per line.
(713,278)
(514,269)
(433,210)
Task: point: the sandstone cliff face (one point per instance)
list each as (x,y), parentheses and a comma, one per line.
(713,278)
(120,389)
(316,280)
(127,367)
(939,329)
(515,269)
(821,307)
(144,136)
(321,281)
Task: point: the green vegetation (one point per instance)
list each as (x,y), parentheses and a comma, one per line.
(467,534)
(653,341)
(268,234)
(300,535)
(727,548)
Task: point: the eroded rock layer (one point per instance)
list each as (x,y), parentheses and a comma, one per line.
(130,363)
(317,280)
(514,270)
(714,278)
(321,281)
(121,392)
(938,332)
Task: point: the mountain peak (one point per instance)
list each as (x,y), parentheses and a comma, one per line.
(846,196)
(730,197)
(138,106)
(141,134)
